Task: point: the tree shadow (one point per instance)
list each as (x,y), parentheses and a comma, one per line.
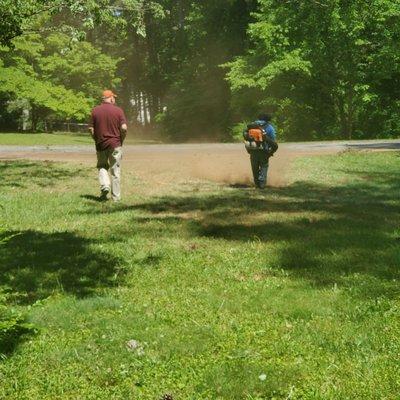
(33,265)
(241,186)
(97,199)
(325,235)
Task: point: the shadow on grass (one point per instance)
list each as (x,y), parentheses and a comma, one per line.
(241,186)
(328,235)
(23,174)
(33,265)
(90,197)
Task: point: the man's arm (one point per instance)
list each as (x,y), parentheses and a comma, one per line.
(270,138)
(91,126)
(270,131)
(91,131)
(124,129)
(123,126)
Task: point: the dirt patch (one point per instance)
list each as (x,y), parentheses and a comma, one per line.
(166,164)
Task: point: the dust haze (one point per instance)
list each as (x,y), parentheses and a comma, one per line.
(168,164)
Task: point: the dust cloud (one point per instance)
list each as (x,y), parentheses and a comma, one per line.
(166,164)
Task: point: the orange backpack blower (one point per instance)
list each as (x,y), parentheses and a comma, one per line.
(255,139)
(256,134)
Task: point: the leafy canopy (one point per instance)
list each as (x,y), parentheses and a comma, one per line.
(16,16)
(62,79)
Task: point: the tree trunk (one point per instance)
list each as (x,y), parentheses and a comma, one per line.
(350,113)
(34,118)
(346,110)
(342,118)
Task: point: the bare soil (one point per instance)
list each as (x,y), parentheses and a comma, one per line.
(165,164)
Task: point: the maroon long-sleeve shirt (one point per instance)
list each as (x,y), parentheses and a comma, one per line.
(106,120)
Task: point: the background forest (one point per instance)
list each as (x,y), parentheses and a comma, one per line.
(195,70)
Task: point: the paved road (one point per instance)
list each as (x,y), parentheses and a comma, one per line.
(295,147)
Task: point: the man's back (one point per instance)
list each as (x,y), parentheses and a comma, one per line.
(267,128)
(106,120)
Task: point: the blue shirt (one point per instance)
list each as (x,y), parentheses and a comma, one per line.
(268,129)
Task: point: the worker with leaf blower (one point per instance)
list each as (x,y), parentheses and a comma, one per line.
(260,143)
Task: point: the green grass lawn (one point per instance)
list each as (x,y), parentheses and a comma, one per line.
(43,139)
(290,293)
(53,139)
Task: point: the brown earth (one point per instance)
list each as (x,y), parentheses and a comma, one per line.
(167,164)
(171,163)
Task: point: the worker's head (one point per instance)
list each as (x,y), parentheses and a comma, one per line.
(108,96)
(265,117)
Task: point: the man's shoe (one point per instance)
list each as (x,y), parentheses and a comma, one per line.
(104,194)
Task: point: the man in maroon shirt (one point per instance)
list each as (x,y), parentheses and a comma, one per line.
(108,129)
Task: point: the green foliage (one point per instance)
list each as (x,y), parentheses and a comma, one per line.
(237,131)
(327,70)
(80,67)
(174,70)
(18,16)
(324,68)
(57,99)
(54,78)
(51,66)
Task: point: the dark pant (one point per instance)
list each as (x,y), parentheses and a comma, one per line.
(259,166)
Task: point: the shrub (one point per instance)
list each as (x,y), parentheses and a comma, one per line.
(237,131)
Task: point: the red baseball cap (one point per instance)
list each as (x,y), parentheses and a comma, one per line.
(108,93)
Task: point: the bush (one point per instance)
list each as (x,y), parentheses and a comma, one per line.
(237,131)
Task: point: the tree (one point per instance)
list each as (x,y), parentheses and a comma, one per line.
(17,16)
(322,66)
(174,72)
(54,79)
(80,67)
(198,100)
(43,98)
(325,69)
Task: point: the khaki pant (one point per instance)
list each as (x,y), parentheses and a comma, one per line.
(110,159)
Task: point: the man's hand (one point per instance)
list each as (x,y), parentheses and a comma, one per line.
(91,130)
